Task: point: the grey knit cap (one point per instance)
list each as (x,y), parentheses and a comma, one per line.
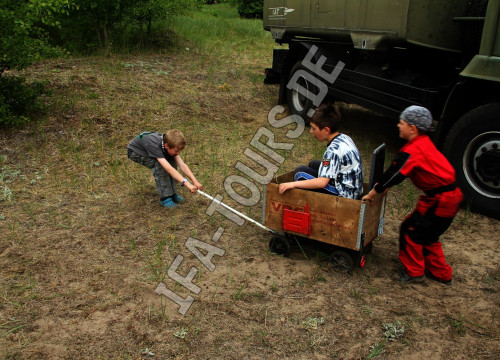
(418,116)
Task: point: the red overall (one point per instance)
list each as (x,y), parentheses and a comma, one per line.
(431,172)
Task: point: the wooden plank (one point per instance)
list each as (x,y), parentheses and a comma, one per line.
(287,177)
(334,220)
(372,219)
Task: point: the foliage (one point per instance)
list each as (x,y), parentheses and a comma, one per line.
(106,23)
(181,334)
(152,10)
(18,99)
(210,2)
(93,22)
(393,331)
(218,32)
(23,30)
(312,323)
(251,8)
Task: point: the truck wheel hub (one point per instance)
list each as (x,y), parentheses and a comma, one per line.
(487,163)
(482,164)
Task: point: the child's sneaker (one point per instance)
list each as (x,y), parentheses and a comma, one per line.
(407,279)
(178,199)
(168,203)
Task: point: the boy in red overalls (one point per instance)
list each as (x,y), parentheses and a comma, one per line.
(419,248)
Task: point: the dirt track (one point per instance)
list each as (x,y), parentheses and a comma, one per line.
(83,248)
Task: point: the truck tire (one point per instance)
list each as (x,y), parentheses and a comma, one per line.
(473,148)
(298,103)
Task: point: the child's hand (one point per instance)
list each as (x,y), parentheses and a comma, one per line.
(370,197)
(286,186)
(198,185)
(191,187)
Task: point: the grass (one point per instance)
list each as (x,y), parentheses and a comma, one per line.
(458,325)
(219,30)
(84,243)
(239,294)
(157,261)
(11,326)
(392,332)
(377,349)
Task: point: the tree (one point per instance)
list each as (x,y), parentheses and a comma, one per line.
(100,24)
(23,30)
(101,17)
(24,25)
(250,8)
(147,11)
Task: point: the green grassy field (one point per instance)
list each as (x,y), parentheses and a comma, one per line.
(84,242)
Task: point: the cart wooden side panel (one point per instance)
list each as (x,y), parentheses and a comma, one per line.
(334,220)
(374,220)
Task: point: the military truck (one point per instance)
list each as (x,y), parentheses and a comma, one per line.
(441,54)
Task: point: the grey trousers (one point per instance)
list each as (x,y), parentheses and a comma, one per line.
(165,184)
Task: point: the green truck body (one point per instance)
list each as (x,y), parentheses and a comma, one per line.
(386,55)
(417,21)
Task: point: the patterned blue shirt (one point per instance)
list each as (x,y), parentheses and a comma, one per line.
(342,164)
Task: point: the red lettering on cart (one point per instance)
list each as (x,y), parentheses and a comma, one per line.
(278,206)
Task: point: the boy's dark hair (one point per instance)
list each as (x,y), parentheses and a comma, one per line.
(327,115)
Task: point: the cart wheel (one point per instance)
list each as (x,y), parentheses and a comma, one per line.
(341,261)
(279,245)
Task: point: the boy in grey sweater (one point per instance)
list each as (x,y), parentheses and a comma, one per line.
(161,154)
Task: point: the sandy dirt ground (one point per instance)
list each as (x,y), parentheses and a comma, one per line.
(82,252)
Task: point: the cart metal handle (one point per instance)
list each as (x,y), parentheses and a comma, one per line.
(236,212)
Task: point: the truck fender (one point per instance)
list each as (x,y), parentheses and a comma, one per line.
(455,106)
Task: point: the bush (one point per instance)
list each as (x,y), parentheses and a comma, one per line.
(250,8)
(18,100)
(211,2)
(23,31)
(111,24)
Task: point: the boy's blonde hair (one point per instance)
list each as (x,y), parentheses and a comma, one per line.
(174,139)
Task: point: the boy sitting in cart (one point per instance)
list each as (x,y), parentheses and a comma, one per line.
(340,172)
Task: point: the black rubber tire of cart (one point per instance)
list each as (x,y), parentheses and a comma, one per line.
(280,245)
(341,261)
(473,148)
(297,103)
